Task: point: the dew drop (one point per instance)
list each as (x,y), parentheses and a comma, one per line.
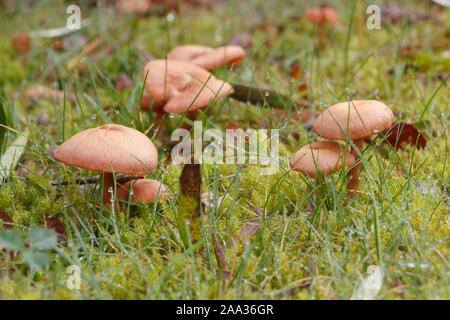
(94,116)
(110,190)
(376,130)
(267,93)
(170,17)
(171,115)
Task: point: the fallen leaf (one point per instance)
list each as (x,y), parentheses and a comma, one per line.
(122,81)
(401,133)
(6,220)
(250,229)
(57,226)
(21,43)
(295,70)
(43,119)
(219,251)
(40,92)
(397,13)
(58,45)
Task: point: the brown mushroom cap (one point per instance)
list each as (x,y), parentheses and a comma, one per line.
(188,52)
(322,15)
(144,190)
(366,117)
(138,7)
(111,146)
(208,58)
(324,156)
(181,86)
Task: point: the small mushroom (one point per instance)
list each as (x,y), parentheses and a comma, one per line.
(137,7)
(109,148)
(21,43)
(320,17)
(142,190)
(208,58)
(356,120)
(321,159)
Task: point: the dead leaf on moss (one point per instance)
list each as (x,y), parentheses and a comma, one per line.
(40,92)
(6,220)
(56,225)
(404,133)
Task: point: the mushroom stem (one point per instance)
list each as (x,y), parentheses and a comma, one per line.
(353,175)
(108,182)
(322,37)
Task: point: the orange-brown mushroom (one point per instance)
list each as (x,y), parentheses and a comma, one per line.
(208,58)
(178,86)
(174,86)
(107,149)
(21,43)
(142,190)
(320,159)
(138,7)
(356,120)
(320,17)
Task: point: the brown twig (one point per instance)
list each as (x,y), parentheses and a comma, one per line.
(90,180)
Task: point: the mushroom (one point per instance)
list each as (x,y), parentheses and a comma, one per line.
(143,190)
(137,7)
(179,87)
(21,43)
(321,159)
(208,58)
(354,120)
(107,149)
(320,17)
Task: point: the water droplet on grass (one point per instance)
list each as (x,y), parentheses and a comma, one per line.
(170,17)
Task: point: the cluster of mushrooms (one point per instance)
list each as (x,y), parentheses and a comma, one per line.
(182,83)
(350,121)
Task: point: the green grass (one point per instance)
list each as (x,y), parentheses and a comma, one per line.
(308,248)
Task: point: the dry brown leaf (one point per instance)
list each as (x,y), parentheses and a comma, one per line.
(250,229)
(57,226)
(123,81)
(6,219)
(21,43)
(40,92)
